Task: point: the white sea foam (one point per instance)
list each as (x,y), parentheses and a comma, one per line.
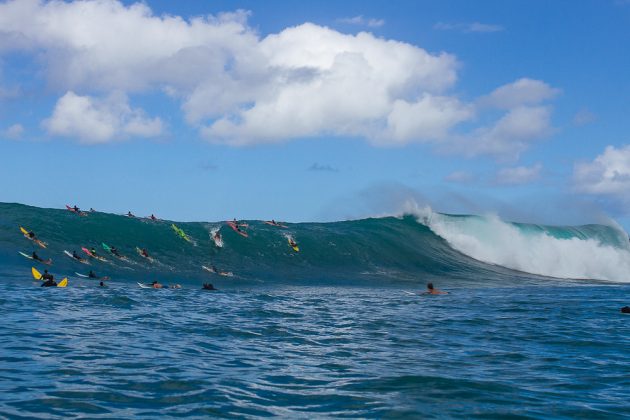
(492,240)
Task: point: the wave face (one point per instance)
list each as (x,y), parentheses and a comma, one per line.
(416,247)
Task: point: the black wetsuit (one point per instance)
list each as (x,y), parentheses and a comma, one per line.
(49,280)
(92,275)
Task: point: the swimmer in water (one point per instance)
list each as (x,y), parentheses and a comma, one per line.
(433,291)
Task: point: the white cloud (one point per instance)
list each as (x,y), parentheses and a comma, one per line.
(521,92)
(13,132)
(328,82)
(362,21)
(509,136)
(608,174)
(468,27)
(93,120)
(239,88)
(519,175)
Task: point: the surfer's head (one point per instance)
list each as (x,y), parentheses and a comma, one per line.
(430,286)
(625,310)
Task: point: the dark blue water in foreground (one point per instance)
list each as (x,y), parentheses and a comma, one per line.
(540,350)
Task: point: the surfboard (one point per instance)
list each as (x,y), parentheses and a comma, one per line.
(139,251)
(236,229)
(82,275)
(98,257)
(144,286)
(36,274)
(181,233)
(276,224)
(37,241)
(80,213)
(25,255)
(47,262)
(295,247)
(63,283)
(82,261)
(218,240)
(221,273)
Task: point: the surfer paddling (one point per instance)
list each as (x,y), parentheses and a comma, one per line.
(433,291)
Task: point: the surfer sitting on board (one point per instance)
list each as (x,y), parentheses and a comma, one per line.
(50,281)
(129,214)
(433,291)
(208,286)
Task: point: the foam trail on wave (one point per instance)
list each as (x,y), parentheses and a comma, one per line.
(492,240)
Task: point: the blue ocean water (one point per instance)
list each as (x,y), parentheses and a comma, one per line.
(337,330)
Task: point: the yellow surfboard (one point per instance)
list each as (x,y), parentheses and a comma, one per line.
(38,276)
(24,231)
(295,247)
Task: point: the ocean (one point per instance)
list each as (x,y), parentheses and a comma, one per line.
(531,327)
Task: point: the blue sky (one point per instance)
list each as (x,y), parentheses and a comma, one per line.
(203,110)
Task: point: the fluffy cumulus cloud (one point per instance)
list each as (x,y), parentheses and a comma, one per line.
(607,175)
(93,120)
(519,175)
(240,88)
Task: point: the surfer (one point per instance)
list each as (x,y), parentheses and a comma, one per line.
(93,251)
(432,291)
(101,284)
(292,242)
(208,286)
(625,310)
(76,256)
(114,251)
(49,279)
(144,253)
(76,209)
(153,217)
(129,214)
(92,275)
(92,210)
(156,285)
(216,236)
(176,286)
(36,257)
